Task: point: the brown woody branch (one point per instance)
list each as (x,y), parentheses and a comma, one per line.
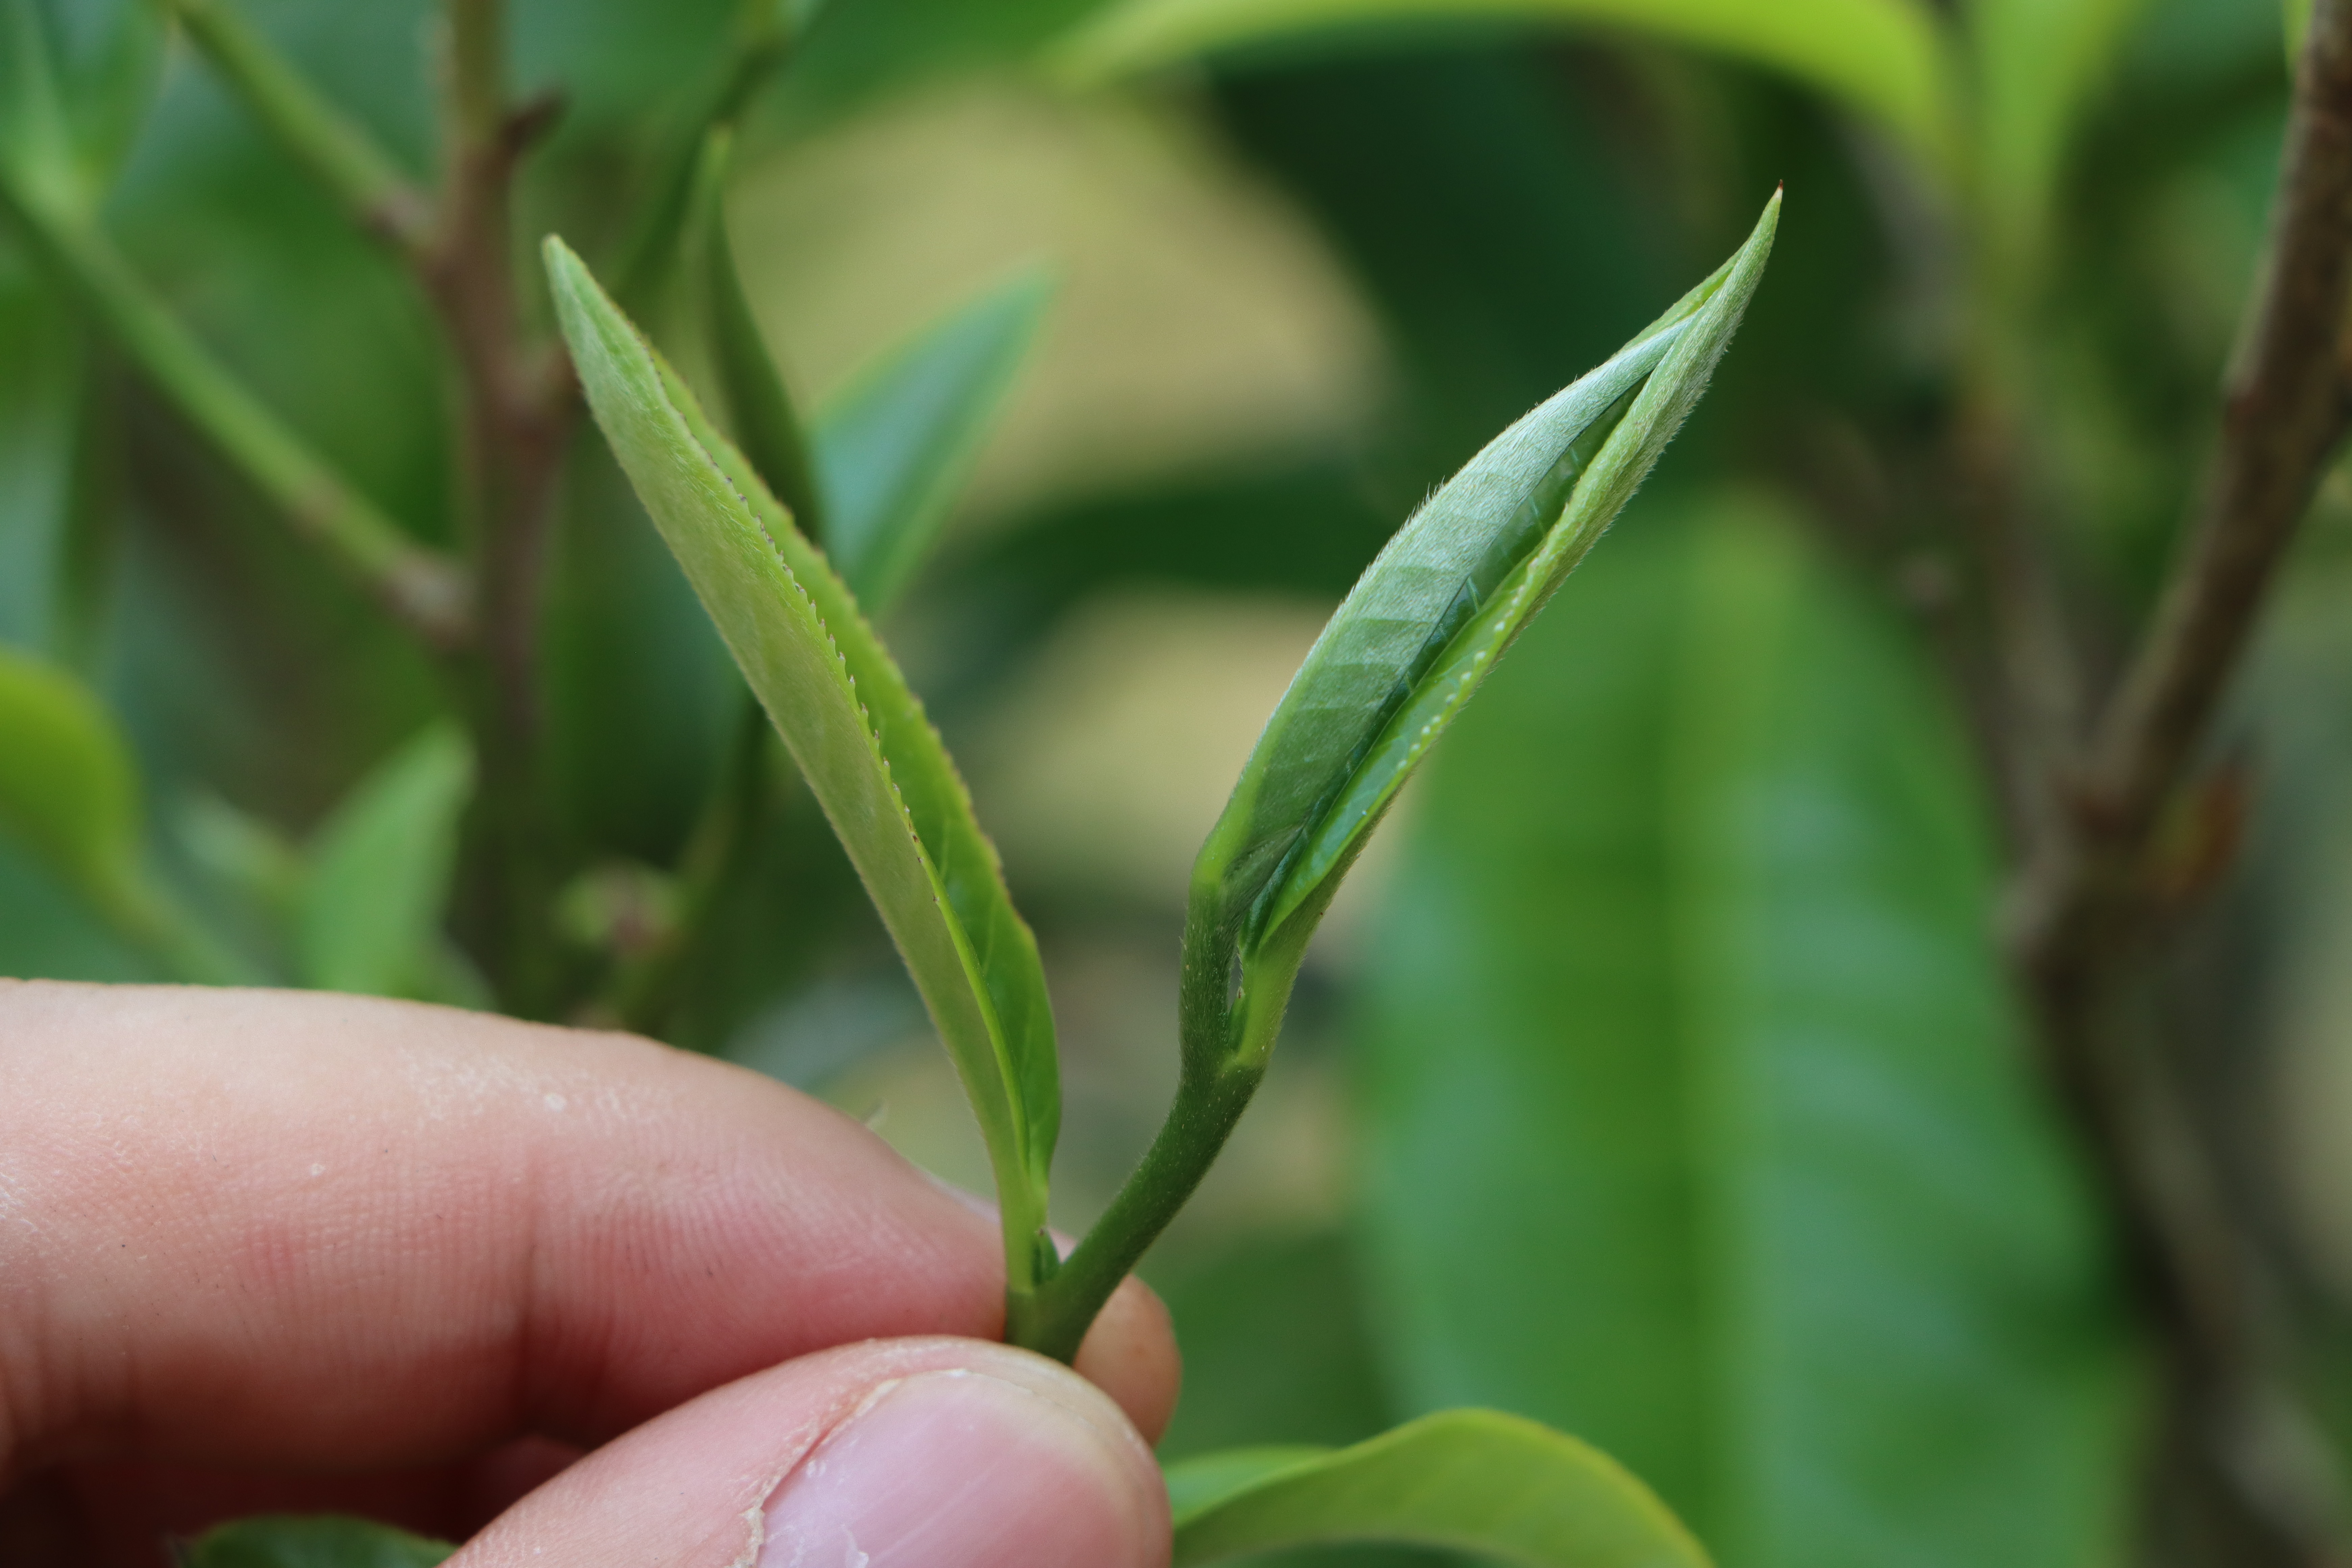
(516,406)
(2090,897)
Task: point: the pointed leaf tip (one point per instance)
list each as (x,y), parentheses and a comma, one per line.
(1423,629)
(856,732)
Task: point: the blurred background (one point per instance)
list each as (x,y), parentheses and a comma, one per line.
(1657,1075)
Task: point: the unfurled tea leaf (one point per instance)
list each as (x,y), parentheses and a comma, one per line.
(859,737)
(1470,1480)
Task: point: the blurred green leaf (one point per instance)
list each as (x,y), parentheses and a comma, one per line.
(1475,1480)
(895,446)
(312,1541)
(2297,16)
(767,426)
(67,786)
(68,114)
(245,855)
(1698,1119)
(36,142)
(859,735)
(1414,641)
(368,919)
(2037,63)
(1886,59)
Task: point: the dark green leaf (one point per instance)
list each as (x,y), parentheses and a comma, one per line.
(858,734)
(1418,635)
(895,446)
(370,914)
(1885,57)
(1475,1480)
(312,1541)
(1699,1121)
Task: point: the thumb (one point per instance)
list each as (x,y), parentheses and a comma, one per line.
(932,1452)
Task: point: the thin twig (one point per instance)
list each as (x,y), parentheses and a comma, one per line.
(345,159)
(518,402)
(420,587)
(2285,409)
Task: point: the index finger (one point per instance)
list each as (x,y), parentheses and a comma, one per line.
(301,1230)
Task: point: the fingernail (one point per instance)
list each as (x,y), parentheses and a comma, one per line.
(962,1469)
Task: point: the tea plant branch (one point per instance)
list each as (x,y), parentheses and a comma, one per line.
(418,586)
(382,199)
(2286,409)
(516,406)
(1398,662)
(2088,901)
(2036,687)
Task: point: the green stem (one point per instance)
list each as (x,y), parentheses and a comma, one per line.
(424,590)
(341,155)
(1056,1318)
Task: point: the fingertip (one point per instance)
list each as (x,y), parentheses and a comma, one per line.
(1130,1354)
(910,1453)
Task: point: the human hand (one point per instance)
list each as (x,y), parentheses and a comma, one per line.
(297,1252)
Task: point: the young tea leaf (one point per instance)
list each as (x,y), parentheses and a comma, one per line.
(859,737)
(67,788)
(320,1541)
(1467,1481)
(895,446)
(369,916)
(1419,632)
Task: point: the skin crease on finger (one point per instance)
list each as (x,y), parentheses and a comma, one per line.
(295,1232)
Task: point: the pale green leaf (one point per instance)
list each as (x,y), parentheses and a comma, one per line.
(317,1541)
(1419,632)
(1472,1480)
(895,446)
(2038,64)
(2298,22)
(369,916)
(67,789)
(859,735)
(1700,1119)
(1886,58)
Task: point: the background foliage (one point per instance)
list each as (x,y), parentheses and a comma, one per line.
(1659,1079)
